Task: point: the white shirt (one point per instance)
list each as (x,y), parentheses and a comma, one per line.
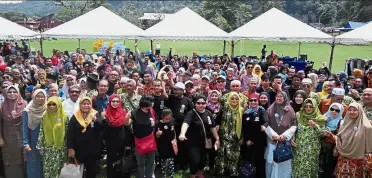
(70,107)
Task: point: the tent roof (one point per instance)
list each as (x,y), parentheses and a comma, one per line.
(185,25)
(360,35)
(275,25)
(12,31)
(99,23)
(354,25)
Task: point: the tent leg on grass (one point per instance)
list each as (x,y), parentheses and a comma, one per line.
(331,57)
(224,47)
(299,50)
(41,45)
(232,49)
(79,43)
(151,46)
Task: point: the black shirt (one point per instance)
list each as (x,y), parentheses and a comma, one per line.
(251,126)
(195,133)
(158,106)
(179,107)
(164,142)
(143,123)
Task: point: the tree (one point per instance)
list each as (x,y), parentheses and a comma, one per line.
(72,9)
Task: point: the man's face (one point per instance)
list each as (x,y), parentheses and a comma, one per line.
(296,82)
(73,57)
(221,83)
(70,81)
(249,68)
(131,86)
(74,94)
(265,83)
(337,98)
(235,87)
(204,83)
(214,76)
(330,87)
(19,60)
(113,76)
(208,65)
(306,87)
(243,58)
(367,96)
(157,86)
(147,78)
(229,73)
(358,83)
(252,85)
(16,75)
(130,65)
(216,67)
(49,62)
(135,76)
(103,87)
(8,77)
(291,72)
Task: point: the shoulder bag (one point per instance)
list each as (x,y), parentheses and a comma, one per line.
(146,144)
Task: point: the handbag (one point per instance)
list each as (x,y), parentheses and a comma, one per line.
(282,152)
(125,165)
(208,142)
(69,170)
(146,144)
(247,170)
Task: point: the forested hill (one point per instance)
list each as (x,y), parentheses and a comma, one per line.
(228,15)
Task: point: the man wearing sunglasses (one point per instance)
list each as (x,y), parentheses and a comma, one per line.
(307,87)
(367,102)
(337,96)
(244,78)
(71,105)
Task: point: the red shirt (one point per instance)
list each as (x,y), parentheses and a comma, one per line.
(55,60)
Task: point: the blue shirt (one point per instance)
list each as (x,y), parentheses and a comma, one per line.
(100,103)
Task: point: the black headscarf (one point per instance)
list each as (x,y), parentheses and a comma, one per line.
(297,107)
(268,98)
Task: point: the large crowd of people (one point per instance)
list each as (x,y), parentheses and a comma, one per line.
(205,114)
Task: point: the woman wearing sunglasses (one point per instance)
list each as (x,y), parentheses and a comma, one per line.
(11,132)
(199,128)
(327,161)
(254,140)
(310,127)
(230,131)
(52,138)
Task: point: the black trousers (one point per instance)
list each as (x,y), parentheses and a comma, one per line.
(114,155)
(182,158)
(197,159)
(90,167)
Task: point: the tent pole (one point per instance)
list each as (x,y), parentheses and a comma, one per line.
(135,44)
(299,50)
(124,42)
(224,47)
(41,45)
(79,43)
(151,46)
(331,57)
(232,49)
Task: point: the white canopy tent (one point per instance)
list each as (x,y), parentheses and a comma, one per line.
(99,23)
(12,31)
(360,35)
(185,25)
(275,25)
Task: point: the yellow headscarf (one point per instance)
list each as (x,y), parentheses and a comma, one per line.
(324,93)
(79,114)
(238,110)
(259,74)
(54,124)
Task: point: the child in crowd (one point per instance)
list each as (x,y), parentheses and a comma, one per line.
(165,135)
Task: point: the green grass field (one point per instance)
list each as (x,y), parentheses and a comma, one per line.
(317,52)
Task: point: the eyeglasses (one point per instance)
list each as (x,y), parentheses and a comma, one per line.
(220,81)
(115,101)
(249,67)
(74,91)
(235,85)
(309,106)
(306,86)
(252,100)
(335,110)
(52,104)
(3,87)
(200,103)
(189,86)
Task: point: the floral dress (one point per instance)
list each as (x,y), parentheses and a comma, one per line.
(52,157)
(306,153)
(130,104)
(228,155)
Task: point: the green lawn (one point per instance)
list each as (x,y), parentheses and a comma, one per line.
(317,52)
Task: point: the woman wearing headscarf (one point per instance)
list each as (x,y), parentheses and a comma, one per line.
(28,93)
(69,81)
(327,161)
(11,133)
(31,119)
(214,106)
(324,94)
(115,133)
(254,140)
(353,143)
(52,138)
(298,99)
(53,90)
(314,81)
(39,79)
(264,100)
(358,73)
(310,125)
(258,71)
(84,139)
(230,133)
(83,87)
(281,127)
(3,90)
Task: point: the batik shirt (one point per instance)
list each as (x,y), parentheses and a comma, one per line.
(130,104)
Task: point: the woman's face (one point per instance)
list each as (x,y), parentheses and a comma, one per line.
(334,111)
(12,94)
(41,76)
(70,81)
(279,99)
(234,100)
(214,97)
(85,106)
(309,108)
(200,104)
(257,69)
(52,106)
(263,99)
(299,99)
(176,65)
(4,87)
(167,118)
(83,85)
(39,99)
(115,102)
(53,92)
(353,112)
(253,102)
